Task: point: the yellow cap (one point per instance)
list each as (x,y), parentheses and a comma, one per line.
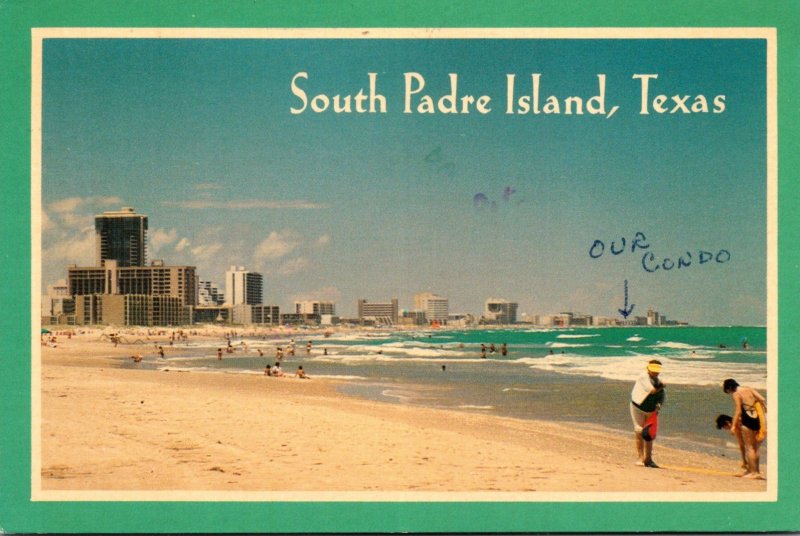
(654,367)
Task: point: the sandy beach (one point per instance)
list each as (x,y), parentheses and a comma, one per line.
(106,428)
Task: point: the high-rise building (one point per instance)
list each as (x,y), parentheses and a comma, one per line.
(384,313)
(120,236)
(243,286)
(436,308)
(121,288)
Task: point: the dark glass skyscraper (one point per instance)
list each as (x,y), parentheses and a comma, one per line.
(121,237)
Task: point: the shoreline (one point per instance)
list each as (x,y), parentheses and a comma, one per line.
(544,388)
(107,428)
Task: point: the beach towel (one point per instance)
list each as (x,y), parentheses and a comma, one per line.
(641,389)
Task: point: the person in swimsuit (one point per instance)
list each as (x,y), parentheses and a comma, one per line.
(746,420)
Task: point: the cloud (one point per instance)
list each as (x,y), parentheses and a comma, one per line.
(191,252)
(158,238)
(245,204)
(323,241)
(206,251)
(331,294)
(601,297)
(278,244)
(293,266)
(73,249)
(75,213)
(71,204)
(46,223)
(182,244)
(65,205)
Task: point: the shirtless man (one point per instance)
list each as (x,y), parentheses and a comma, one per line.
(747,421)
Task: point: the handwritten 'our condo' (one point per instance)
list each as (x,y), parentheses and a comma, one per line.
(523,96)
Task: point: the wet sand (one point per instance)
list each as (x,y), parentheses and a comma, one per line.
(106,428)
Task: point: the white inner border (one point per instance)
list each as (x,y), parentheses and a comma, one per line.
(768,34)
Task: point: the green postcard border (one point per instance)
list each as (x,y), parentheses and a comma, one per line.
(19,514)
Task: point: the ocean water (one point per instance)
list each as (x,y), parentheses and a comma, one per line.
(570,375)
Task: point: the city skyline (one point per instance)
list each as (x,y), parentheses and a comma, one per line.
(121,237)
(200,136)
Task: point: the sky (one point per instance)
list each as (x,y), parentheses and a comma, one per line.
(199,135)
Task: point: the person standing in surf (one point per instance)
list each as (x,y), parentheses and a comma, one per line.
(647,397)
(749,417)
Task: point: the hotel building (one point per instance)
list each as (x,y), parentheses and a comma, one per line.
(499,311)
(120,289)
(436,308)
(379,312)
(120,235)
(243,287)
(157,279)
(135,295)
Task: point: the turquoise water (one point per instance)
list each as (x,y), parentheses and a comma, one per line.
(571,375)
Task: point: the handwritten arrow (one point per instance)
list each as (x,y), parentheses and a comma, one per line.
(625,311)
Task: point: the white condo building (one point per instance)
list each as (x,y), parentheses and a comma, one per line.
(500,311)
(436,308)
(243,287)
(314,308)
